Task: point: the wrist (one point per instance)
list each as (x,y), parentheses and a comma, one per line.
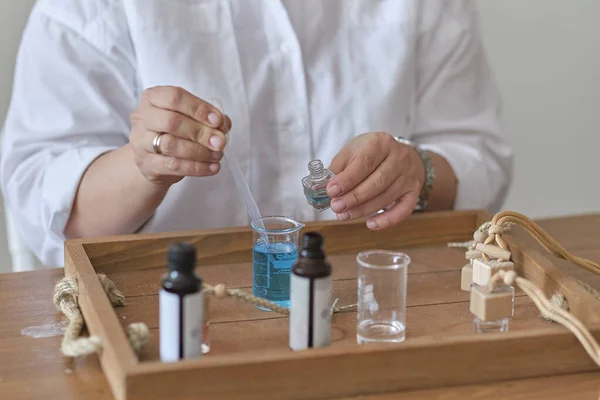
(158,187)
(419,166)
(425,172)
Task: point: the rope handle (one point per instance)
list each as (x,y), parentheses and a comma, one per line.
(546,241)
(66,293)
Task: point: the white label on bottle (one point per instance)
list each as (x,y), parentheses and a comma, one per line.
(300,293)
(180,334)
(193,310)
(299,308)
(322,312)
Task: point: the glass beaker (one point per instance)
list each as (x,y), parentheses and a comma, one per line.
(275,250)
(381,311)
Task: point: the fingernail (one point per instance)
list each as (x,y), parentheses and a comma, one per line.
(213,119)
(372,225)
(216,155)
(213,167)
(334,190)
(343,216)
(338,206)
(216,142)
(225,126)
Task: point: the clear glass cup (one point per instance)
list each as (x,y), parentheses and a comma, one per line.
(381,311)
(275,250)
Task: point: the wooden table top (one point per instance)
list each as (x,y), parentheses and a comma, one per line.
(33,368)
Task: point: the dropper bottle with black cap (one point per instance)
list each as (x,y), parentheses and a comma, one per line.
(310,296)
(181,306)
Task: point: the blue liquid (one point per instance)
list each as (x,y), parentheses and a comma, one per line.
(320,203)
(318,199)
(271,268)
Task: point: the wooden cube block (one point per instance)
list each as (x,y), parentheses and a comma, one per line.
(466,278)
(483,270)
(492,306)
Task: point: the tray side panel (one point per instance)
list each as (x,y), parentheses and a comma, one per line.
(482,217)
(116,355)
(538,267)
(334,373)
(234,245)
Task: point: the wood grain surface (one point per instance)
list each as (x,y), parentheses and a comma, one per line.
(33,368)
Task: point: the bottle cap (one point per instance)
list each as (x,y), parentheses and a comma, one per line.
(182,257)
(312,246)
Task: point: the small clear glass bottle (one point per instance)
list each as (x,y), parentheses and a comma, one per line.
(500,325)
(315,185)
(496,325)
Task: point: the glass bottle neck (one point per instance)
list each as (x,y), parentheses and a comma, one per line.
(316,169)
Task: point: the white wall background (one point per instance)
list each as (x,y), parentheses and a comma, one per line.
(546,55)
(13,15)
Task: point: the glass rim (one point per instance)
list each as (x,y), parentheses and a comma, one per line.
(398,265)
(297,225)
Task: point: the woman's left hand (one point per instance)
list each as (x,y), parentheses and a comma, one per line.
(374,171)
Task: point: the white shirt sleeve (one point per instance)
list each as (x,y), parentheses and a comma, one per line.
(458,105)
(74,90)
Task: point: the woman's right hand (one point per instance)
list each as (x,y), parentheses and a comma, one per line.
(193,135)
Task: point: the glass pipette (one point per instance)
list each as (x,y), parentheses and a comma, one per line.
(242,185)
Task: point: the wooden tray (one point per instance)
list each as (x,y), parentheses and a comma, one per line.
(250,358)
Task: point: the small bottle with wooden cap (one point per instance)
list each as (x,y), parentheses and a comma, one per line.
(181,306)
(310,296)
(492,306)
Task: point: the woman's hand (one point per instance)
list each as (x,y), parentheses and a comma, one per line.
(193,135)
(374,171)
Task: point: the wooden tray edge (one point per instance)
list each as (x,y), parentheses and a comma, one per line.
(476,213)
(421,364)
(231,245)
(116,356)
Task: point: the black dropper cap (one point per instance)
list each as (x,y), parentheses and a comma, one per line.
(311,261)
(312,246)
(181,257)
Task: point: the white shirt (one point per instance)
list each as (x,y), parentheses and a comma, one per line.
(299,78)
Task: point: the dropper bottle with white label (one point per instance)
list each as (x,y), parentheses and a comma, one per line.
(310,296)
(181,306)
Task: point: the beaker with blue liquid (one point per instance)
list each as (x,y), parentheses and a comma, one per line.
(275,250)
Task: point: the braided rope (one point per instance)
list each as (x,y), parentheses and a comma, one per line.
(66,293)
(546,241)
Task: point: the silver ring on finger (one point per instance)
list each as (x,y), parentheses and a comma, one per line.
(156,143)
(388,208)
